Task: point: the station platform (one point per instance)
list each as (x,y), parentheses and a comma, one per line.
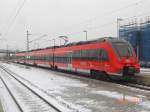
(144,76)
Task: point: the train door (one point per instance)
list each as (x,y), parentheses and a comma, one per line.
(69,61)
(104,60)
(50,58)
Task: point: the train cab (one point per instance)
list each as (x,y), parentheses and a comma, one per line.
(126,62)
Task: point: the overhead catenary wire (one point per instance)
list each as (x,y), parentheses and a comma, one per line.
(14,18)
(105,15)
(101,26)
(12,13)
(110,12)
(39,38)
(110,23)
(89,28)
(139,15)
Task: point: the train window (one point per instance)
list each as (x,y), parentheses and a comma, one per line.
(84,54)
(79,54)
(47,58)
(36,57)
(91,54)
(30,58)
(104,55)
(123,49)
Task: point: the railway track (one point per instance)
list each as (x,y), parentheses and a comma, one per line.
(62,106)
(126,84)
(25,98)
(132,83)
(139,86)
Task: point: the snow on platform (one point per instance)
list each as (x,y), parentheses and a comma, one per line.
(145,71)
(84,94)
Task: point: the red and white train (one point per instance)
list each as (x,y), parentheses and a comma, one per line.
(112,56)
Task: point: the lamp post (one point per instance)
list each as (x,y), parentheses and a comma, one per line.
(85,34)
(27,42)
(65,38)
(118,26)
(53,53)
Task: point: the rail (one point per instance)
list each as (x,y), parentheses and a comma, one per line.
(30,93)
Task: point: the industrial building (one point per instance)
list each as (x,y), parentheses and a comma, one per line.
(138,34)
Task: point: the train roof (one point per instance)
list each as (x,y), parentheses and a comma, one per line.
(110,39)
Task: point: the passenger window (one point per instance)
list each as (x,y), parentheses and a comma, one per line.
(104,55)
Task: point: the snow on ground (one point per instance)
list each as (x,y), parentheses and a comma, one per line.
(6,100)
(86,95)
(145,71)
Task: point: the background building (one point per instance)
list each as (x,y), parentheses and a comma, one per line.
(5,54)
(138,34)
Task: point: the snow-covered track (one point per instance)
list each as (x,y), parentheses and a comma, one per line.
(139,86)
(86,77)
(25,98)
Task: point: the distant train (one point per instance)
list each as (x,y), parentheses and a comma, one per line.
(111,56)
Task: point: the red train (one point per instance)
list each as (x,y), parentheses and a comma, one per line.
(112,56)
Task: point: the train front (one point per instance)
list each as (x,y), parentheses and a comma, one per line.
(128,64)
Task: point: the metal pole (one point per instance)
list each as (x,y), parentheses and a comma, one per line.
(27,52)
(65,38)
(138,51)
(28,41)
(85,34)
(54,54)
(7,52)
(54,42)
(118,26)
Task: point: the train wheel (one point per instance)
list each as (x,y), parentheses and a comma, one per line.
(95,74)
(107,77)
(99,75)
(51,66)
(55,67)
(34,64)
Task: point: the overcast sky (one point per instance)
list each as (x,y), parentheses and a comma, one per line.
(64,17)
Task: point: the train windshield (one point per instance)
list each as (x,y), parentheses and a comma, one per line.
(123,49)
